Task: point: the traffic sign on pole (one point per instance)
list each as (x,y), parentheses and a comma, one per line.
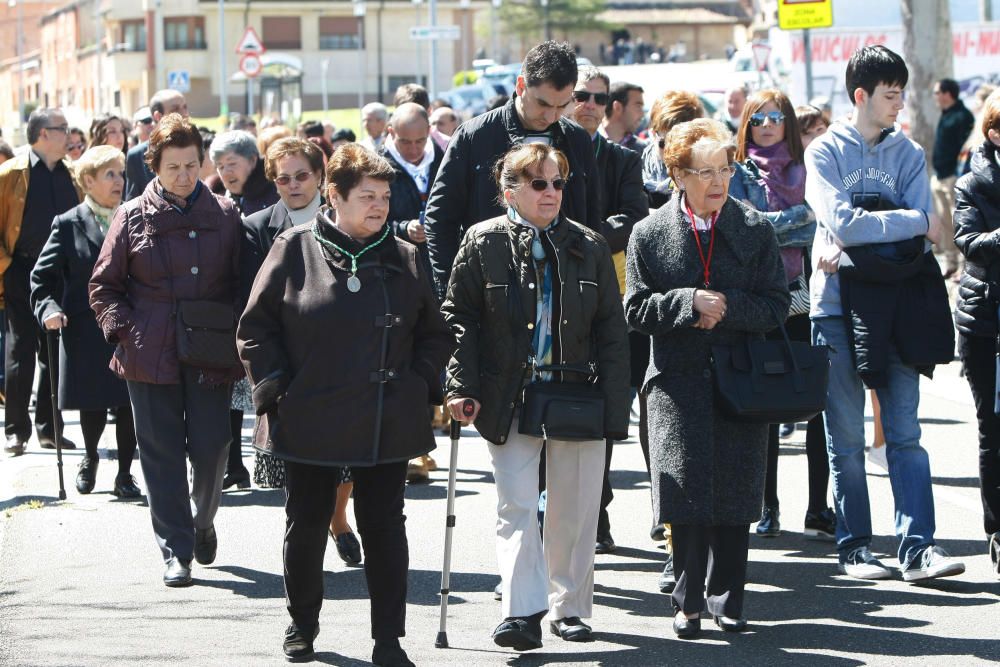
(804,14)
(179,80)
(435,32)
(251,42)
(251,65)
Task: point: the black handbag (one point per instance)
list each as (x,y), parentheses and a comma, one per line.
(571,411)
(771,381)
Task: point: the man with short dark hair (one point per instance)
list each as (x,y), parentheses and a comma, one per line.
(882,324)
(417,94)
(953,129)
(35,187)
(623,115)
(137,173)
(465,191)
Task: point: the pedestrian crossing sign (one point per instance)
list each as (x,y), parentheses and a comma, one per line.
(179,80)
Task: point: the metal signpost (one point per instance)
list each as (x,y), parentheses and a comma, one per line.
(804,15)
(250,48)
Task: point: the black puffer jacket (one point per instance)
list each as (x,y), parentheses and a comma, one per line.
(624,202)
(465,191)
(494,341)
(977,220)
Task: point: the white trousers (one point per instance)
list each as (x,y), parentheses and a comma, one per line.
(554,571)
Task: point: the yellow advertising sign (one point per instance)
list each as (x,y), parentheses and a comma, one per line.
(802,14)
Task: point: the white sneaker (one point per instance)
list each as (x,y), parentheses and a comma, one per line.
(876,456)
(932,563)
(861,564)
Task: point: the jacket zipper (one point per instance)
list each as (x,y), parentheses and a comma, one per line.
(555,252)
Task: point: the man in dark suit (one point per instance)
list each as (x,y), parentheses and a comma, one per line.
(137,174)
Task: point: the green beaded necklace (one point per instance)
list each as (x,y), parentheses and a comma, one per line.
(353,282)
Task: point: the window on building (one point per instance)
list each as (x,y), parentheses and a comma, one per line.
(282,32)
(184,32)
(133,35)
(338,32)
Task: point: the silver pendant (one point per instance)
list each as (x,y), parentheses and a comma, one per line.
(354,284)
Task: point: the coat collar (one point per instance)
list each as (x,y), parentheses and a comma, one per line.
(88,226)
(733,224)
(386,254)
(279,220)
(986,169)
(517,132)
(160,217)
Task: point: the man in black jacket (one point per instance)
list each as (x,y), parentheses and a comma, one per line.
(465,191)
(953,130)
(623,203)
(137,173)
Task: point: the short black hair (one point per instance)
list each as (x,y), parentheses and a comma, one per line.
(550,62)
(312,128)
(343,134)
(949,86)
(874,65)
(6,150)
(618,92)
(412,92)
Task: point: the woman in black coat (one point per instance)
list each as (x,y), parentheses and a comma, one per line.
(344,343)
(977,220)
(59,298)
(703,270)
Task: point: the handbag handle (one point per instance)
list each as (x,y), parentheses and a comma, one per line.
(796,371)
(588,369)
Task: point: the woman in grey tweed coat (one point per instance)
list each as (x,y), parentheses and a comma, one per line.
(690,290)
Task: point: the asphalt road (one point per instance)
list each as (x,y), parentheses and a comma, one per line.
(80,579)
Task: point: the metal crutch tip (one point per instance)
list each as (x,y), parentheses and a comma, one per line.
(441,641)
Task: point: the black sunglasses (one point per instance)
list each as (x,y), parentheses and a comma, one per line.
(581,97)
(757,119)
(540,184)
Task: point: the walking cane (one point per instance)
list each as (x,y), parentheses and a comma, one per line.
(51,336)
(468,407)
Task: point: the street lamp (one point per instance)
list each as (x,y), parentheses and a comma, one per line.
(325,65)
(223,93)
(494,45)
(545,19)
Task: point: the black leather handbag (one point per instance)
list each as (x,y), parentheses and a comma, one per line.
(571,411)
(771,381)
(206,334)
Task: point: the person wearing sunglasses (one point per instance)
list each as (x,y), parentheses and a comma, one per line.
(35,187)
(771,177)
(76,143)
(703,270)
(533,288)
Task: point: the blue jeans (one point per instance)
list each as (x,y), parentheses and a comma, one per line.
(909,468)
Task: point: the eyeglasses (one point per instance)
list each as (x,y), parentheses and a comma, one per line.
(708,174)
(57,128)
(581,97)
(76,147)
(757,119)
(301,177)
(541,185)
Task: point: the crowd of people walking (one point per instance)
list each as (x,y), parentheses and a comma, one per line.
(547,264)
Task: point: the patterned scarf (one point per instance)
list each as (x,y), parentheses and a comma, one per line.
(785,186)
(102,214)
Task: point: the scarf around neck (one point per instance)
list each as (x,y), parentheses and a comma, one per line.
(420,173)
(784,181)
(103,214)
(305,214)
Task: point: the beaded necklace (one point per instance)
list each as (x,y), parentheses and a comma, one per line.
(353,282)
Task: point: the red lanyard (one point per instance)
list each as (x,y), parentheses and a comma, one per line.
(706,263)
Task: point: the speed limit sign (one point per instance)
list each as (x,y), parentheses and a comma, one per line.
(251,65)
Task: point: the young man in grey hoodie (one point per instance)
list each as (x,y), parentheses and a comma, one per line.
(868,184)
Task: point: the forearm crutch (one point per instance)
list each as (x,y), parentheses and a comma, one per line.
(51,337)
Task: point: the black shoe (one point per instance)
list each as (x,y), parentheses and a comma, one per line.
(206,544)
(572,629)
(769,526)
(15,446)
(46,442)
(686,628)
(519,633)
(298,644)
(667,580)
(178,573)
(785,431)
(125,487)
(390,654)
(658,533)
(995,553)
(86,475)
(605,544)
(348,547)
(731,624)
(498,592)
(821,525)
(239,478)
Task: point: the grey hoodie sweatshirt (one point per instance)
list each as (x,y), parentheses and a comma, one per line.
(839,164)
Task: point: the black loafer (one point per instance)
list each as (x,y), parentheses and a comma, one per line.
(348,547)
(125,487)
(605,544)
(178,573)
(520,634)
(658,533)
(298,644)
(45,442)
(686,628)
(388,653)
(571,629)
(86,476)
(667,580)
(238,478)
(206,544)
(731,624)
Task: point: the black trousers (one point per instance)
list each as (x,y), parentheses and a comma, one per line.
(311,492)
(710,563)
(25,342)
(979,357)
(93,422)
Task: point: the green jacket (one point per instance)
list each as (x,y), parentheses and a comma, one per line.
(494,341)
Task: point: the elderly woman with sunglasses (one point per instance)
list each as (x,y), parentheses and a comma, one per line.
(533,286)
(703,270)
(771,178)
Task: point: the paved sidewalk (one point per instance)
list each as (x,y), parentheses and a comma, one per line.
(80,579)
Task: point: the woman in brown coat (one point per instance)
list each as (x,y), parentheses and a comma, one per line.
(176,242)
(344,344)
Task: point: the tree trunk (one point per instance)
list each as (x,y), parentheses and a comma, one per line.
(928,52)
